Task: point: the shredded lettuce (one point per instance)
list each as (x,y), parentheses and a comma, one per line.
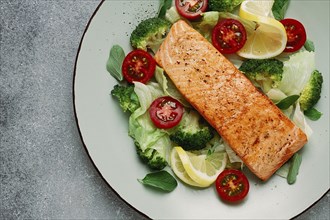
(205,25)
(141,128)
(299,119)
(233,157)
(168,87)
(296,72)
(172,15)
(276,95)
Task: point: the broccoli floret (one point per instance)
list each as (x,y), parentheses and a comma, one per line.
(267,73)
(311,93)
(150,33)
(193,132)
(128,100)
(223,5)
(151,157)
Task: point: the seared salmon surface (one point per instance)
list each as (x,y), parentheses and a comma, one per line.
(248,121)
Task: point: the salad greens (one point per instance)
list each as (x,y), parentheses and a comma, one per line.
(279,8)
(295,162)
(116,57)
(160,180)
(287,102)
(163,6)
(309,45)
(313,114)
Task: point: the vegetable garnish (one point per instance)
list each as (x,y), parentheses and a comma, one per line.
(160,180)
(279,8)
(229,36)
(115,61)
(138,66)
(191,9)
(296,34)
(294,168)
(287,102)
(313,114)
(232,185)
(163,6)
(309,45)
(166,112)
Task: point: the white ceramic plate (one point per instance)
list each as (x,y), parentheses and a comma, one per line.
(103,127)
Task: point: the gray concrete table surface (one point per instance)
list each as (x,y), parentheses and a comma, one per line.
(45,171)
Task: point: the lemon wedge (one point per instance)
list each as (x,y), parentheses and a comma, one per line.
(201,168)
(268,37)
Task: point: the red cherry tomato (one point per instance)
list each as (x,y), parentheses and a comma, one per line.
(138,66)
(229,36)
(191,9)
(296,34)
(232,185)
(165,112)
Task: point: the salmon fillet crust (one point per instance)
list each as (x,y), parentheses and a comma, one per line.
(248,121)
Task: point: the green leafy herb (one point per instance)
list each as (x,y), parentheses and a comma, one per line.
(164,5)
(279,8)
(313,114)
(309,45)
(161,180)
(287,102)
(115,61)
(294,168)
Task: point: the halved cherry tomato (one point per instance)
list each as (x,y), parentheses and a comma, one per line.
(166,112)
(232,185)
(138,66)
(191,9)
(229,36)
(296,34)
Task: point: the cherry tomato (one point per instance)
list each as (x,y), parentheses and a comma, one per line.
(295,33)
(229,36)
(138,66)
(232,185)
(165,112)
(191,9)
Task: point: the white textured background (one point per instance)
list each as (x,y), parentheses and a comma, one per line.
(45,171)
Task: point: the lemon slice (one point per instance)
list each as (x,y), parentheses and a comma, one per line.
(268,37)
(201,168)
(179,170)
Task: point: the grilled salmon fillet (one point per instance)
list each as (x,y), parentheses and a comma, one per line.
(248,121)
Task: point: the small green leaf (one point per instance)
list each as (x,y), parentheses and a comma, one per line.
(115,61)
(164,5)
(287,102)
(279,8)
(309,45)
(294,168)
(161,180)
(313,114)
